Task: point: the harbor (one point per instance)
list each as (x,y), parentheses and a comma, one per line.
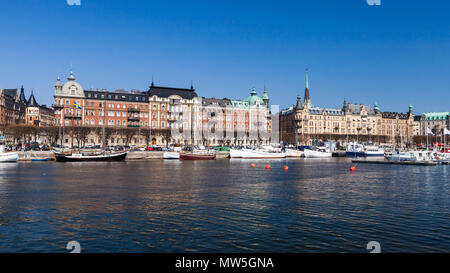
(222,206)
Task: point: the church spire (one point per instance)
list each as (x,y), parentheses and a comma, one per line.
(307,100)
(22,95)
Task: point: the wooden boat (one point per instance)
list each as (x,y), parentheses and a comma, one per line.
(41,159)
(197,156)
(94,157)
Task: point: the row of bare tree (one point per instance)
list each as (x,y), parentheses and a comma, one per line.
(20,134)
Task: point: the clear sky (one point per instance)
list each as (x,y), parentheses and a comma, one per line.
(396,54)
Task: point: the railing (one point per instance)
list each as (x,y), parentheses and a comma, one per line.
(134,119)
(58,106)
(131,109)
(72,116)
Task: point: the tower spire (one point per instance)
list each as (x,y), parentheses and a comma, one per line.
(307,99)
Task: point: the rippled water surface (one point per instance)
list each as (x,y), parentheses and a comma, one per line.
(223,206)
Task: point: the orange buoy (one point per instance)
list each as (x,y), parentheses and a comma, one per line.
(252,165)
(267,167)
(353,169)
(285,168)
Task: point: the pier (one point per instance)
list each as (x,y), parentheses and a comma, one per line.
(414,163)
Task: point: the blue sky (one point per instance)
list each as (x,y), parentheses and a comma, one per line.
(396,54)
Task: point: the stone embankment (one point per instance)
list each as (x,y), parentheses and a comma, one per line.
(135,155)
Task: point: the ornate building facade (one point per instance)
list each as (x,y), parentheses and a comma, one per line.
(161,115)
(436,121)
(39,115)
(12,106)
(303,123)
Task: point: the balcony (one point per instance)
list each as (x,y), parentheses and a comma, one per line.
(72,116)
(58,106)
(130,118)
(134,110)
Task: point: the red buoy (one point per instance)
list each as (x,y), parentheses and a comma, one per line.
(267,167)
(285,168)
(353,168)
(252,165)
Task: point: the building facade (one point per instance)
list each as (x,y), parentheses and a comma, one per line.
(302,124)
(435,121)
(39,115)
(161,115)
(12,107)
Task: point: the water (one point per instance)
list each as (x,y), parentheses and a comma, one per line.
(223,206)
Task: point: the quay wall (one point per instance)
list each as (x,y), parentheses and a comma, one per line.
(135,155)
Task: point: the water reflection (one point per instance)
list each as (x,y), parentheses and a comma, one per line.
(223,205)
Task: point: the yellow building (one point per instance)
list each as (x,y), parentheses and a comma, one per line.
(303,123)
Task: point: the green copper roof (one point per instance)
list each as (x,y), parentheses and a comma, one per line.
(254,98)
(306,82)
(437,115)
(375,106)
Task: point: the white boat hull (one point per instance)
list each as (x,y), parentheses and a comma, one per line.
(246,153)
(294,153)
(317,154)
(171,155)
(235,153)
(9,157)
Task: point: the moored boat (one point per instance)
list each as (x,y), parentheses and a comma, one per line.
(294,153)
(197,156)
(171,155)
(318,153)
(373,151)
(248,153)
(93,157)
(401,156)
(235,153)
(8,156)
(354,150)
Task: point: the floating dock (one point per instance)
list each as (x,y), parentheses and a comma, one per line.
(415,163)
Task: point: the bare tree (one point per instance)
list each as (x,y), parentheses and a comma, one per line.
(147,133)
(128,134)
(80,133)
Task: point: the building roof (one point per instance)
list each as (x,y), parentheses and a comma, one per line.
(22,95)
(328,111)
(216,102)
(32,101)
(116,96)
(394,115)
(165,92)
(437,115)
(10,92)
(356,109)
(254,98)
